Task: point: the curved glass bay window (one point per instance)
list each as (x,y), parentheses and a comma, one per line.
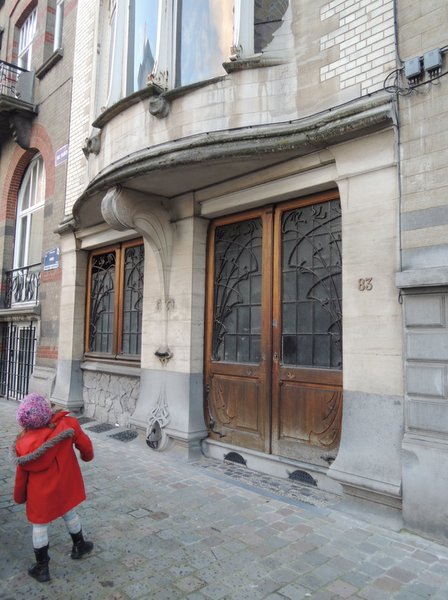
(171,43)
(134,34)
(174,43)
(203,41)
(115,297)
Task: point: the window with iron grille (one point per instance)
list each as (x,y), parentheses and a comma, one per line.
(115,297)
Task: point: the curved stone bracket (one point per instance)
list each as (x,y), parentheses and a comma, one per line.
(127,209)
(21,130)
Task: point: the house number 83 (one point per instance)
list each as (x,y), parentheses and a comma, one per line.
(365,285)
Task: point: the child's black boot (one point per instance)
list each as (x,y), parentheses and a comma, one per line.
(40,570)
(80,546)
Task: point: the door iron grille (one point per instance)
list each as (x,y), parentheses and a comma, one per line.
(17,356)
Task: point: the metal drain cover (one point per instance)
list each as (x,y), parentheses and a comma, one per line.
(124,436)
(101,427)
(235,458)
(303,477)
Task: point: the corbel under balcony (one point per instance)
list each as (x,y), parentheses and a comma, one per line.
(17,108)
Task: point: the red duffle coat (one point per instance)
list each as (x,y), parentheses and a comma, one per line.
(48,476)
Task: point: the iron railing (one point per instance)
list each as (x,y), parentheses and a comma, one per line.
(22,285)
(16,82)
(17,357)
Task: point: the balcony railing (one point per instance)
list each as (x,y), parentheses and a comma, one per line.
(22,286)
(16,104)
(16,82)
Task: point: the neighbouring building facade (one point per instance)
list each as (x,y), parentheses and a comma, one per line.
(251,258)
(36,64)
(422,279)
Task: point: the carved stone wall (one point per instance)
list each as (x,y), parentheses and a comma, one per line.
(110,398)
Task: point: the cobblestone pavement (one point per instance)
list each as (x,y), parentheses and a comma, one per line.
(165,530)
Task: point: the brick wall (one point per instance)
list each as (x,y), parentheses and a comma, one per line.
(81,108)
(363,41)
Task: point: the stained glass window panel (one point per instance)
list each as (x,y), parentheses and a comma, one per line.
(312,286)
(132,300)
(102,295)
(237,292)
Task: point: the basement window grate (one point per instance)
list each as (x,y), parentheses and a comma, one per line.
(235,458)
(303,477)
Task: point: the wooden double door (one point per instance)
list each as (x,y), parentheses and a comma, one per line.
(273,362)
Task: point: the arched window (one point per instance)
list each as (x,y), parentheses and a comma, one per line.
(30,216)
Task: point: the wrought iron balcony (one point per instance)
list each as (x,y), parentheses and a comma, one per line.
(22,286)
(17,107)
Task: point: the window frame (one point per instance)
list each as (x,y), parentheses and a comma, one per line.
(243,29)
(38,198)
(58,25)
(27,33)
(119,249)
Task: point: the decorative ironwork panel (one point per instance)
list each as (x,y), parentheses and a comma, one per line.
(237,292)
(16,83)
(22,285)
(133,299)
(9,75)
(312,286)
(102,296)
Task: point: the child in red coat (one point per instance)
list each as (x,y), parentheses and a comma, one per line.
(48,477)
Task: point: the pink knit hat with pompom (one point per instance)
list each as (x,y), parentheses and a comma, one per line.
(34,412)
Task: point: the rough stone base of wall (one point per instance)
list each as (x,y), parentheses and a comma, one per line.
(110,398)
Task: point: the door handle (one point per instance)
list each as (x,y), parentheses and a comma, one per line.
(275,357)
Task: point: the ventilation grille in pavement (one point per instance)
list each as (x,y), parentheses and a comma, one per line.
(124,436)
(101,427)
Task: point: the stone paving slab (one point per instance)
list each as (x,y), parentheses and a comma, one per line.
(165,529)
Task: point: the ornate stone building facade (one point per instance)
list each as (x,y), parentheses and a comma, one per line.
(244,230)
